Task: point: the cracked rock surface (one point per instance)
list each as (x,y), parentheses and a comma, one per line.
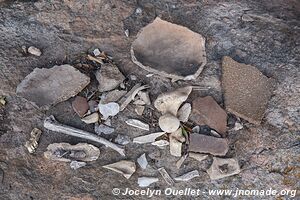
(261,33)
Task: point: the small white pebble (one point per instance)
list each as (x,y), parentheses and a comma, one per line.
(127,33)
(96,52)
(138,11)
(34,51)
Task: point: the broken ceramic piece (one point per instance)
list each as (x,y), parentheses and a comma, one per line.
(91,119)
(160,143)
(206,111)
(80,106)
(76,164)
(146,181)
(208,144)
(32,143)
(142,161)
(166,176)
(168,123)
(139,109)
(112,96)
(169,50)
(188,176)
(170,102)
(124,167)
(34,51)
(148,138)
(122,139)
(102,128)
(223,167)
(46,87)
(66,152)
(110,109)
(109,77)
(184,112)
(176,139)
(138,124)
(246,90)
(198,156)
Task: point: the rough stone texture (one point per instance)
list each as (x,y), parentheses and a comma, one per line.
(246,90)
(207,144)
(80,105)
(206,111)
(109,77)
(270,42)
(169,50)
(47,87)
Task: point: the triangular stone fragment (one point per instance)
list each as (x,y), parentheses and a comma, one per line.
(124,167)
(169,50)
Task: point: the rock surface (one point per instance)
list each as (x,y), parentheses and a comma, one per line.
(169,50)
(246,90)
(47,87)
(208,144)
(109,77)
(223,167)
(206,111)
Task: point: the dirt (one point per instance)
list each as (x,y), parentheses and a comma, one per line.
(264,34)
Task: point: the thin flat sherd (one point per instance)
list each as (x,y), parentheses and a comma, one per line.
(169,50)
(46,87)
(246,90)
(208,144)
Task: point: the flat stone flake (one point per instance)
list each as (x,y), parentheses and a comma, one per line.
(223,167)
(169,50)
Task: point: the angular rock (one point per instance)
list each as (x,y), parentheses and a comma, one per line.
(146,181)
(66,152)
(198,156)
(142,161)
(184,112)
(168,123)
(109,77)
(188,176)
(223,167)
(246,90)
(206,111)
(109,109)
(124,167)
(80,106)
(169,50)
(102,128)
(208,144)
(137,124)
(34,51)
(180,161)
(170,102)
(91,119)
(122,139)
(144,96)
(148,138)
(46,87)
(176,139)
(139,109)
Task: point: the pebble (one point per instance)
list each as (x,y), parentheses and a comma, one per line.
(91,119)
(122,139)
(80,105)
(142,161)
(34,51)
(109,109)
(146,181)
(168,123)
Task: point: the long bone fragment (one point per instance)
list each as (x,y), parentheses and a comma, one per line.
(52,124)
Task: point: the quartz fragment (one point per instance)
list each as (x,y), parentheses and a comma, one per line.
(188,176)
(148,138)
(110,109)
(208,144)
(34,51)
(32,143)
(46,87)
(138,124)
(176,139)
(66,152)
(102,128)
(142,161)
(146,181)
(91,119)
(181,55)
(184,112)
(246,90)
(223,167)
(166,176)
(124,167)
(76,164)
(122,139)
(206,111)
(80,105)
(109,77)
(170,102)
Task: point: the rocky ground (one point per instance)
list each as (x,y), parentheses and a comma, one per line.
(264,34)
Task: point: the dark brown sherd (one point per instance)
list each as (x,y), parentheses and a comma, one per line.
(246,90)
